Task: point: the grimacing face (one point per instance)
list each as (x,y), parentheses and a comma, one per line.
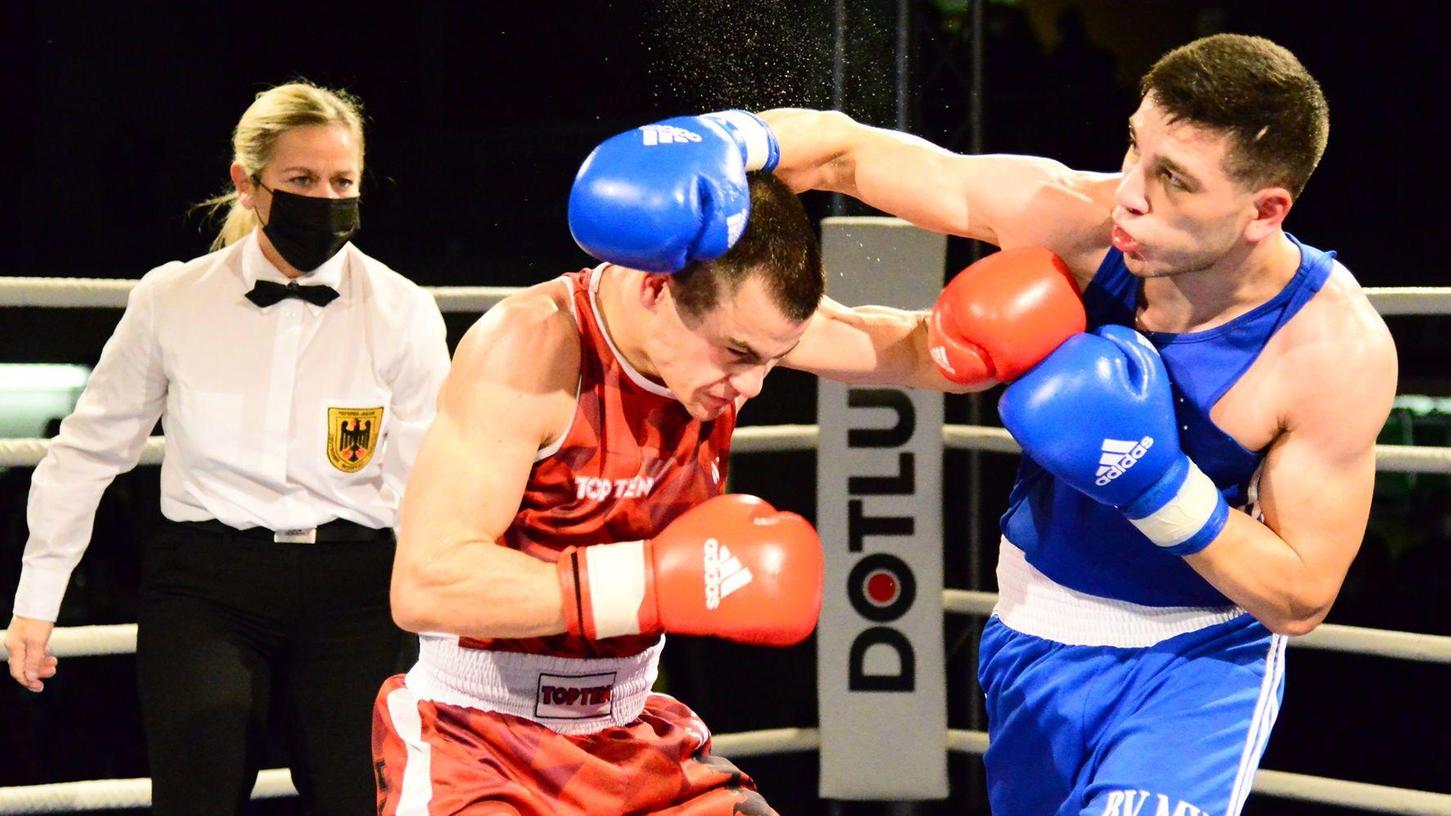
(722,356)
(1177,209)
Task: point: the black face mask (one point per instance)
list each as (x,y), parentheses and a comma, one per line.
(307,231)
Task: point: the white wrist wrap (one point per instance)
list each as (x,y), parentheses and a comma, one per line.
(616,575)
(1184,515)
(753,134)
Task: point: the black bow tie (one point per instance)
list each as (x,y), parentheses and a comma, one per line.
(266,293)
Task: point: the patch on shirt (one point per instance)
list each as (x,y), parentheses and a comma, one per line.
(352,436)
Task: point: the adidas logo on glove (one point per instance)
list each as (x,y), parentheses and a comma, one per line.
(724,573)
(667,134)
(1118,456)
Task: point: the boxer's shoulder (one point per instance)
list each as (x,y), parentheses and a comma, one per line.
(1338,334)
(1332,364)
(528,340)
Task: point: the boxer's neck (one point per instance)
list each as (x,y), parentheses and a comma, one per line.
(623,318)
(1201,300)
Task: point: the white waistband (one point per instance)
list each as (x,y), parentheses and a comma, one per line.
(1032,603)
(566,694)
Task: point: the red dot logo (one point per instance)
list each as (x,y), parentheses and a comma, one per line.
(882,588)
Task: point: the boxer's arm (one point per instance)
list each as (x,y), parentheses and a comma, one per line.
(508,392)
(995,320)
(1314,492)
(870,345)
(1006,200)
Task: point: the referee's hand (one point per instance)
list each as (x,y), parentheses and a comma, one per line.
(27,642)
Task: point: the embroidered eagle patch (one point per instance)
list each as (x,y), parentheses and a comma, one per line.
(352,436)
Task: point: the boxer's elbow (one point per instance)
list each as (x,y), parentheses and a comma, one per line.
(1299,613)
(415,597)
(408,614)
(1293,625)
(816,148)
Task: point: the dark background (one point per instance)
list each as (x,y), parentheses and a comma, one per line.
(117,118)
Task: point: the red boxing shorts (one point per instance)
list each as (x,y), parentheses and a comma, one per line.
(437,759)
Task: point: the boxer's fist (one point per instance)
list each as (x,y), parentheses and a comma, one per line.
(664,195)
(732,567)
(1098,414)
(1000,316)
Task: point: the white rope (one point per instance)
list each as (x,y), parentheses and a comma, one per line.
(29,452)
(23,452)
(1328,636)
(110,292)
(116,794)
(777,438)
(470,298)
(1379,642)
(967,742)
(1412,459)
(1410,300)
(120,638)
(1360,795)
(968,602)
(986,438)
(63,293)
(766,742)
(88,641)
(1389,458)
(1324,790)
(774,438)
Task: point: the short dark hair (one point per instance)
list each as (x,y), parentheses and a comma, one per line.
(1258,93)
(779,244)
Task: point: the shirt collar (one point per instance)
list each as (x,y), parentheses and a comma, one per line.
(255,267)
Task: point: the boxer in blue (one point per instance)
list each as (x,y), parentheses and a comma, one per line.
(1198,465)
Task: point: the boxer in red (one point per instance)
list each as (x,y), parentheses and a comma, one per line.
(566,510)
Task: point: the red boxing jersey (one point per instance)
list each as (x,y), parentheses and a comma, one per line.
(632,460)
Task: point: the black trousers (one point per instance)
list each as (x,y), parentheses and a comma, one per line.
(232,626)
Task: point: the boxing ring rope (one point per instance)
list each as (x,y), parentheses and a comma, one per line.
(93,293)
(82,641)
(120,638)
(784,438)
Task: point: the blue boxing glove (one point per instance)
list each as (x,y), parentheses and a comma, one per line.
(1098,414)
(664,195)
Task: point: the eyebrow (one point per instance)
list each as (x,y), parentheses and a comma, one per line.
(1168,163)
(1179,169)
(309,171)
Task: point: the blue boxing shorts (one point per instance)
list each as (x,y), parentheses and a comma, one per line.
(1103,707)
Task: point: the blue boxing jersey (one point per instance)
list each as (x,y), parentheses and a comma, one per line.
(1091,547)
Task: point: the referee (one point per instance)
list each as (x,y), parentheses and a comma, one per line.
(294,377)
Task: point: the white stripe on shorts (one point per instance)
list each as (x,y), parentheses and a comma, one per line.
(417,789)
(1267,708)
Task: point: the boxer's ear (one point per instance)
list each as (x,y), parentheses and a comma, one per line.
(1271,205)
(654,290)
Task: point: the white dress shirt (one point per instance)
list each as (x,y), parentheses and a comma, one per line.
(250,400)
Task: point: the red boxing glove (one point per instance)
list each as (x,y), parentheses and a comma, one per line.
(1001,316)
(732,567)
